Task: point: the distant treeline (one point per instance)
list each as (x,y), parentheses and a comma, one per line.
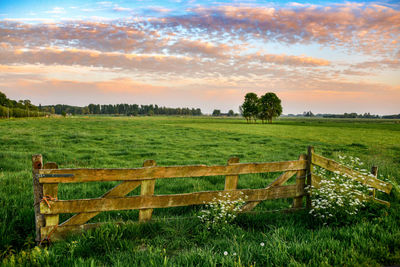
(346,115)
(120,109)
(17,109)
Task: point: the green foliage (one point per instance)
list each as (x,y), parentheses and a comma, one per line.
(265,108)
(216,112)
(23,108)
(104,142)
(121,109)
(269,107)
(249,109)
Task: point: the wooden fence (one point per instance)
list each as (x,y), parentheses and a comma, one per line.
(47,177)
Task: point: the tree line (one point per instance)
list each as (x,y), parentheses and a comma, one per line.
(265,108)
(218,113)
(352,115)
(121,109)
(24,108)
(17,109)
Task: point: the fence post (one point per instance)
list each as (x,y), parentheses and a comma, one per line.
(374,172)
(300,184)
(37,164)
(50,191)
(231,181)
(147,189)
(309,174)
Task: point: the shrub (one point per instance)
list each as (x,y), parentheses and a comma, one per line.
(220,212)
(339,198)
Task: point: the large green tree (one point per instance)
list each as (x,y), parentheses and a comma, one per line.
(249,108)
(269,107)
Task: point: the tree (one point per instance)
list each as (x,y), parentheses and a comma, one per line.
(308,114)
(3,100)
(249,108)
(216,112)
(269,107)
(231,113)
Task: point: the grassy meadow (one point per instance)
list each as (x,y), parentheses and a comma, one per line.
(175,237)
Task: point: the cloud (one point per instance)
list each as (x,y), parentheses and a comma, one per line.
(190,66)
(209,54)
(378,64)
(288,60)
(56,10)
(122,9)
(371,29)
(367,28)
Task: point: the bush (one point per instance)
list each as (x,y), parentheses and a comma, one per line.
(220,212)
(339,198)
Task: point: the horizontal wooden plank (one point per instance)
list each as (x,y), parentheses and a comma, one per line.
(120,190)
(163,201)
(333,166)
(145,173)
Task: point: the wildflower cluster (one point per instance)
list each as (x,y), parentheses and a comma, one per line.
(221,211)
(339,197)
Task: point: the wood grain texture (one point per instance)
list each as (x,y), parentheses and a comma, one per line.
(37,164)
(231,181)
(96,175)
(120,190)
(163,201)
(374,172)
(315,180)
(333,166)
(147,189)
(50,190)
(300,183)
(309,171)
(277,182)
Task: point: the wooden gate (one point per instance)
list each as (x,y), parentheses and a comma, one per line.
(47,177)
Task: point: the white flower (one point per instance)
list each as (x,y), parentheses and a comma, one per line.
(262,244)
(225,253)
(234,254)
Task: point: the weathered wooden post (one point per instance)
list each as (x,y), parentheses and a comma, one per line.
(147,189)
(374,172)
(50,192)
(231,181)
(37,164)
(300,184)
(309,174)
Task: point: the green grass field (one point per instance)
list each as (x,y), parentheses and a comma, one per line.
(175,237)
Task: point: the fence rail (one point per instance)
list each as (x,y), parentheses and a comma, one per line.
(47,177)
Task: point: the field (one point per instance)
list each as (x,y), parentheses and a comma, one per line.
(175,236)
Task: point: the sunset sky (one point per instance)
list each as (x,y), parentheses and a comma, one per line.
(323,56)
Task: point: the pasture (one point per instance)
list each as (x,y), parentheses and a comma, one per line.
(175,236)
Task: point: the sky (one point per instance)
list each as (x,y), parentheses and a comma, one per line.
(323,56)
